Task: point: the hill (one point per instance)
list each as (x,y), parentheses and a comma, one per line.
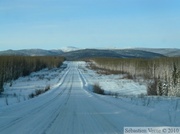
(76,54)
(125,53)
(169,52)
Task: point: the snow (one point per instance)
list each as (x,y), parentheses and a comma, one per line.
(71,107)
(69,49)
(113,83)
(20,89)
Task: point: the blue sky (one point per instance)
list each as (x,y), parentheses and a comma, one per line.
(53,24)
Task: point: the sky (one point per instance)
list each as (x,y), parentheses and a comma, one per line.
(53,24)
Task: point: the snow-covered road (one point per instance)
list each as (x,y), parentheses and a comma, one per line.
(70,109)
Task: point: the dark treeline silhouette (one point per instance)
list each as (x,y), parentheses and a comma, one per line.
(12,67)
(164,73)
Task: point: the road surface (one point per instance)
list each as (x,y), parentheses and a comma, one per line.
(70,109)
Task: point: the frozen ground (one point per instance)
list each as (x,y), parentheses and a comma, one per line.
(70,106)
(113,83)
(20,89)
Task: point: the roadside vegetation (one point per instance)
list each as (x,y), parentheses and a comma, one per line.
(39,91)
(162,74)
(12,67)
(97,89)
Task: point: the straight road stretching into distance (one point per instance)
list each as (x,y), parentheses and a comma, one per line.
(69,108)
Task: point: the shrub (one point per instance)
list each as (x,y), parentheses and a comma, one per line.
(38,92)
(152,88)
(31,95)
(47,88)
(128,76)
(97,89)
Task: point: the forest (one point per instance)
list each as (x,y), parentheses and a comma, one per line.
(13,67)
(162,74)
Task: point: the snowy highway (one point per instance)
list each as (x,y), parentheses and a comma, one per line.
(70,108)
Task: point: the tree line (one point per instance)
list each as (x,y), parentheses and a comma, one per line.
(164,73)
(12,67)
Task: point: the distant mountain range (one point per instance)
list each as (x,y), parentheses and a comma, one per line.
(126,53)
(170,52)
(32,52)
(73,53)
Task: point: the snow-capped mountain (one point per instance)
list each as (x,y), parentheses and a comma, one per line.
(69,49)
(73,53)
